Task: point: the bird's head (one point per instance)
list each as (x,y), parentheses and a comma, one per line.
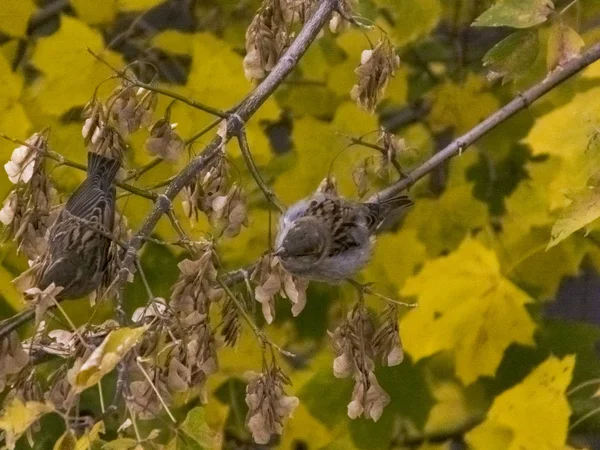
(304,245)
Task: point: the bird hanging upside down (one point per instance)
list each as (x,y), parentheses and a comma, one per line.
(327,238)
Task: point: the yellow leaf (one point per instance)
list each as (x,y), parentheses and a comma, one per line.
(95,12)
(568,133)
(317,145)
(19,416)
(122,444)
(582,212)
(196,428)
(14,16)
(464,305)
(451,408)
(411,18)
(443,223)
(90,436)
(70,73)
(296,430)
(212,56)
(68,441)
(461,106)
(137,5)
(174,41)
(106,356)
(385,266)
(564,44)
(533,415)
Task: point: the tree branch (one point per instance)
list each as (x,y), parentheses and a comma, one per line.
(522,101)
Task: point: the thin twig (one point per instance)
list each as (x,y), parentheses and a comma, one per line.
(249,160)
(62,161)
(522,101)
(159,90)
(262,338)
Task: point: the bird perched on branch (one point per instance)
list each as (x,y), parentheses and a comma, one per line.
(79,243)
(328,238)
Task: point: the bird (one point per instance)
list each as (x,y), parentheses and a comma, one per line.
(327,238)
(78,246)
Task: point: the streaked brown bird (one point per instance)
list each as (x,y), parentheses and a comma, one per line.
(77,255)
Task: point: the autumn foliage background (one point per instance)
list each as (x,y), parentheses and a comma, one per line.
(501,249)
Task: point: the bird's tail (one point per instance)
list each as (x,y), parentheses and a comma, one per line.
(102,169)
(379,210)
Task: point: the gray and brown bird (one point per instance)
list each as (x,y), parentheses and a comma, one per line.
(328,238)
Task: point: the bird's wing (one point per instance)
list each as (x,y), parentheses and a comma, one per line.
(91,203)
(345,220)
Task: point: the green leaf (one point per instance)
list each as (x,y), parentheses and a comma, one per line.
(463,304)
(68,441)
(18,416)
(515,13)
(564,44)
(196,428)
(106,356)
(534,415)
(510,58)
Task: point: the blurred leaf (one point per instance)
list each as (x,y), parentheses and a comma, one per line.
(70,73)
(442,224)
(138,5)
(68,441)
(475,328)
(569,134)
(93,12)
(584,209)
(196,428)
(18,417)
(411,19)
(515,13)
(386,267)
(106,356)
(319,146)
(564,44)
(90,436)
(512,56)
(122,444)
(173,41)
(461,106)
(14,17)
(534,415)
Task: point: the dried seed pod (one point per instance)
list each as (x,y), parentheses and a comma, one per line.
(268,406)
(12,358)
(267,38)
(272,279)
(377,67)
(164,142)
(386,342)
